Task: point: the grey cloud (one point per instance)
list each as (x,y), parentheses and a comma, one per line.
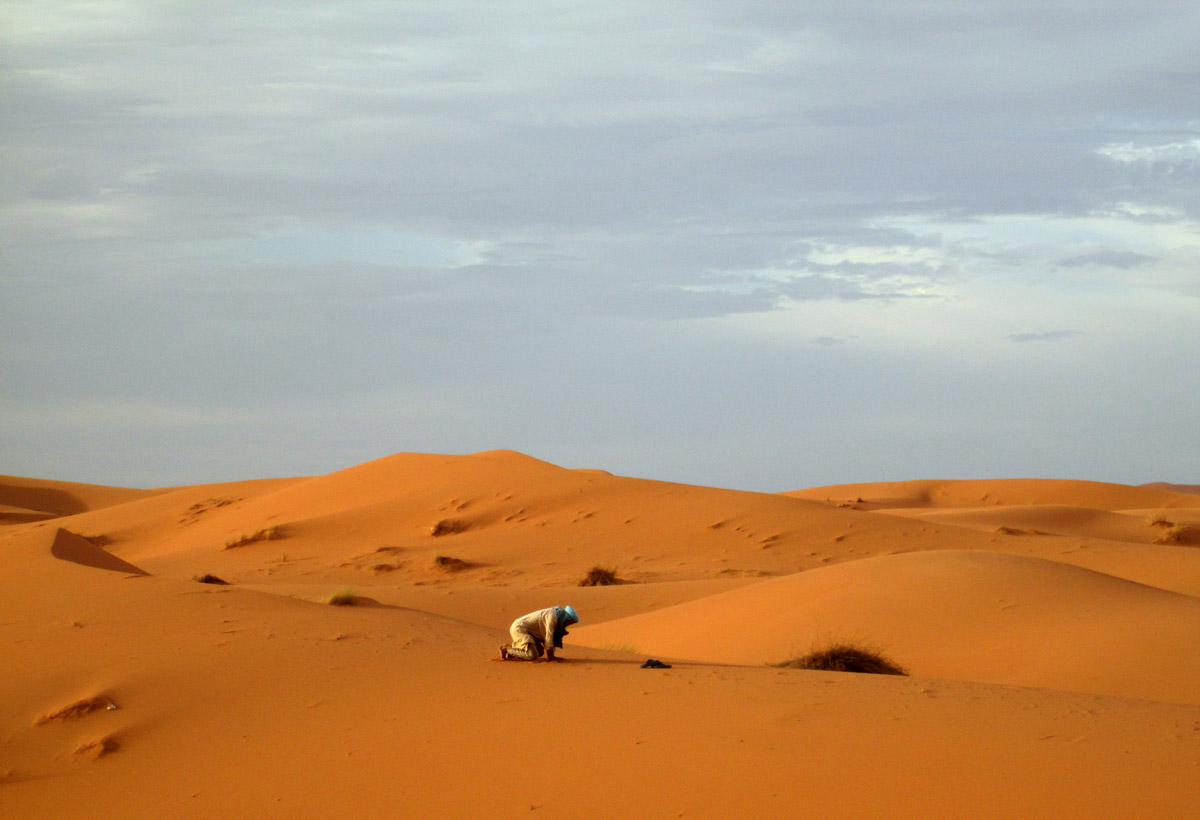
(516,143)
(643,182)
(1112,259)
(824,286)
(1043,336)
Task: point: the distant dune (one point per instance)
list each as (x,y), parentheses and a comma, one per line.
(1174,488)
(1002,492)
(1048,626)
(54,498)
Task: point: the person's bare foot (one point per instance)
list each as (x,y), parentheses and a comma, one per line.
(504,652)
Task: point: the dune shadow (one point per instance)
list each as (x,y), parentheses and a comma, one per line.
(637,662)
(364,602)
(69,546)
(47,500)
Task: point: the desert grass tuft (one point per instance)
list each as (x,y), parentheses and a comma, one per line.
(1159,520)
(209,579)
(265,534)
(845,657)
(343,597)
(1173,535)
(599,577)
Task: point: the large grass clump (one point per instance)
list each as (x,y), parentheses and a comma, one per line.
(1173,535)
(599,577)
(265,534)
(846,657)
(343,597)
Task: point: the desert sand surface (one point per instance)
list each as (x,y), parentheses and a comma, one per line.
(1050,629)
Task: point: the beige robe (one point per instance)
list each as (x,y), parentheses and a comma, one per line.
(532,633)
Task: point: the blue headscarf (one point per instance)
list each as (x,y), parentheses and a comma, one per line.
(569,611)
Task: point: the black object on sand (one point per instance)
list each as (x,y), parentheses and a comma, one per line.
(655,664)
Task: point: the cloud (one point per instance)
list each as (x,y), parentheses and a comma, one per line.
(539,219)
(1043,336)
(1111,259)
(1178,155)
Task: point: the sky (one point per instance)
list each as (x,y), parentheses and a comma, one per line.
(757,245)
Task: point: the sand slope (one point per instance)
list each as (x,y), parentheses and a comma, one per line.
(133,691)
(1044,519)
(966,615)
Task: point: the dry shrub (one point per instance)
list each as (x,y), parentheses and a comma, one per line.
(599,577)
(265,534)
(845,657)
(1174,535)
(209,579)
(343,597)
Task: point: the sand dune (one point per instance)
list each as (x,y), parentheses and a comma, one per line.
(1007,492)
(965,615)
(133,690)
(1044,519)
(503,514)
(55,498)
(10,514)
(1174,488)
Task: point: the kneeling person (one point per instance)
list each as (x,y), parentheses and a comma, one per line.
(537,633)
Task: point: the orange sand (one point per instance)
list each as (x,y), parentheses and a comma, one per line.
(1050,628)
